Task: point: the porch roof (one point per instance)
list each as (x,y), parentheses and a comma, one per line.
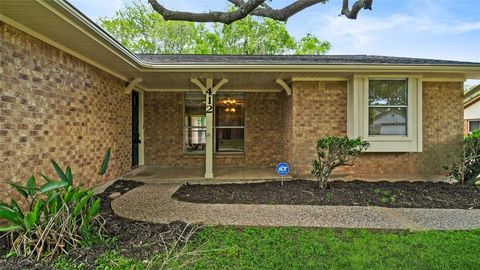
(61,25)
(187,59)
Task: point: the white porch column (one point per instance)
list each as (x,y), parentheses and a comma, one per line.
(209,98)
(209,90)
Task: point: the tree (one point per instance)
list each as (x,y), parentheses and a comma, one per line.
(143,30)
(256,8)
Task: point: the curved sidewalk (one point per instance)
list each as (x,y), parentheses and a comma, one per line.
(153,203)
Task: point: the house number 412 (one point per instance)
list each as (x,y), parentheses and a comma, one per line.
(209,101)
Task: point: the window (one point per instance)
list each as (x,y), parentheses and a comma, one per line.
(386,111)
(195,123)
(387,107)
(473,124)
(229,122)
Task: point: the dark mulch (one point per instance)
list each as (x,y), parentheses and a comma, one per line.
(352,193)
(134,239)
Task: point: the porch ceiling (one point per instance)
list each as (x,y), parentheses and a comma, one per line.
(180,81)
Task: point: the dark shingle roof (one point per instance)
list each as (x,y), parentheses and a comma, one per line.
(297,60)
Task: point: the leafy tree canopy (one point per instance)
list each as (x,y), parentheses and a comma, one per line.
(142,30)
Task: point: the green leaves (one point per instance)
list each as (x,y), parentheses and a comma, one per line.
(106,160)
(69,213)
(81,204)
(68,174)
(142,30)
(53,186)
(31,186)
(59,172)
(12,228)
(9,212)
(21,190)
(468,170)
(94,210)
(333,152)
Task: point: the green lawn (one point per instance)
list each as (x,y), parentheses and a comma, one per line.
(303,248)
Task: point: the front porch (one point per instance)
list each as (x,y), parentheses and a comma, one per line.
(162,174)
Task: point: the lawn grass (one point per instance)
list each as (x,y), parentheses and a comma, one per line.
(304,248)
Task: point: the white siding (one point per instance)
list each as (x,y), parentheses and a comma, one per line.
(472,112)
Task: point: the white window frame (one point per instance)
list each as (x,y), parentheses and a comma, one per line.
(358,120)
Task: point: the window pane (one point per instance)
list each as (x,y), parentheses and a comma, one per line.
(473,125)
(194,110)
(387,121)
(229,110)
(194,140)
(229,139)
(387,92)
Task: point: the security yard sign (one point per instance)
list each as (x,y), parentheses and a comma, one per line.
(282,169)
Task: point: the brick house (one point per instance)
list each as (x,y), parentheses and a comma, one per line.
(68,90)
(471,111)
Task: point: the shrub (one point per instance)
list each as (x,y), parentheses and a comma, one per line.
(333,152)
(467,171)
(58,217)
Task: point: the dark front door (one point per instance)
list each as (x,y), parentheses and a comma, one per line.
(135,127)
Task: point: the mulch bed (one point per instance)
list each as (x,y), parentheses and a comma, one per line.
(135,239)
(351,193)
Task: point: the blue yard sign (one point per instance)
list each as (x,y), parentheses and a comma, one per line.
(282,169)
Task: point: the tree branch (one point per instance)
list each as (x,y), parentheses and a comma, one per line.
(255,8)
(212,16)
(284,13)
(356,7)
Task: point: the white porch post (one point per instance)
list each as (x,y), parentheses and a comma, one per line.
(209,98)
(209,90)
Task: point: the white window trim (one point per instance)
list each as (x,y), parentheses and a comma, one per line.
(357,115)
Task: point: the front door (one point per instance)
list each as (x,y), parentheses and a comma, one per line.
(135,128)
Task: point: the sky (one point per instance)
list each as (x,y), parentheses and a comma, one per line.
(439,29)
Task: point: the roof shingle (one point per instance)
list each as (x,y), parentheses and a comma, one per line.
(297,60)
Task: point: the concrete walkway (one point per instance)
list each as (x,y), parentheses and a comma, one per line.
(153,203)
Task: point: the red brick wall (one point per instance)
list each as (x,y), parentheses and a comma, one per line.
(54,106)
(164,132)
(319,109)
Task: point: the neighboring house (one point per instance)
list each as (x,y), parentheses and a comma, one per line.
(471,111)
(69,90)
